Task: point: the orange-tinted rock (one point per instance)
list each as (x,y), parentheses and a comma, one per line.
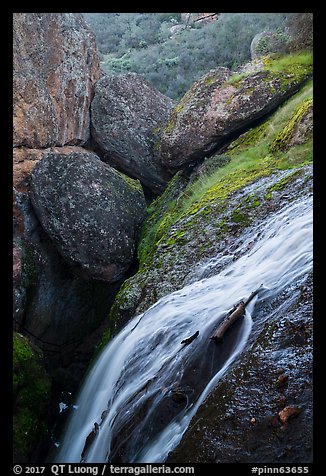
(55,67)
(288,412)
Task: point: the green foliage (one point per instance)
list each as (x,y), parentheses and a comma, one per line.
(300,26)
(31,388)
(276,41)
(142,43)
(117,65)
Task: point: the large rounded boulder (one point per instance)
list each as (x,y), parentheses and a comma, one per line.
(127,113)
(55,66)
(222,104)
(90,211)
(268,42)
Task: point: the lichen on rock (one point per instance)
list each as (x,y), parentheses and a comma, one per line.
(90,211)
(221,104)
(55,68)
(127,113)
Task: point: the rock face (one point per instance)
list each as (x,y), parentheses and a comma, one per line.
(219,105)
(90,211)
(127,113)
(55,67)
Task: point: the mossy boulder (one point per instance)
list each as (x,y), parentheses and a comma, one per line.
(31,391)
(222,104)
(90,211)
(127,113)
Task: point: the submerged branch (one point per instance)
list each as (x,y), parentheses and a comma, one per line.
(232,316)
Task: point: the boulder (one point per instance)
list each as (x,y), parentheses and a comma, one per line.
(175,29)
(220,105)
(55,66)
(90,211)
(127,113)
(268,42)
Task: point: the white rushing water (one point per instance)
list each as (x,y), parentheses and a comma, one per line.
(142,363)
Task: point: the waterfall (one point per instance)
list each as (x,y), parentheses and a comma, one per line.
(137,374)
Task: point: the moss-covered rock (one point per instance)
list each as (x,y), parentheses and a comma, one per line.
(268,42)
(212,111)
(298,130)
(31,389)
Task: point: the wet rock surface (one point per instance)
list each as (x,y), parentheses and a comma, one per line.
(127,113)
(248,417)
(55,68)
(90,211)
(219,105)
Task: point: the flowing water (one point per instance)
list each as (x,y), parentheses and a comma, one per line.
(149,384)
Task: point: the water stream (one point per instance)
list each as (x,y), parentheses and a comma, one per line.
(140,374)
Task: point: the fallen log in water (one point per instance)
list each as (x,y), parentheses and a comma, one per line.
(190,339)
(232,316)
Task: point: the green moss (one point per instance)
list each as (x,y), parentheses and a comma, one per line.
(170,124)
(282,139)
(294,63)
(161,217)
(31,388)
(210,79)
(235,79)
(135,184)
(282,183)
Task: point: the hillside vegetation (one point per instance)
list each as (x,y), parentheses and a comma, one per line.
(143,43)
